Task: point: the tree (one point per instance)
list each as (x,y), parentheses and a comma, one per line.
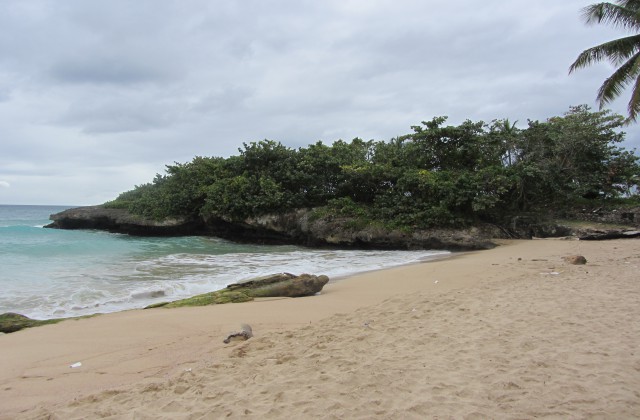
(623,53)
(574,157)
(438,175)
(437,147)
(507,135)
(234,199)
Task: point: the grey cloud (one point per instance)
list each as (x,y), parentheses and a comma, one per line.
(118,114)
(108,70)
(102,87)
(5,94)
(224,99)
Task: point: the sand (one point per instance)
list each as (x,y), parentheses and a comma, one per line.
(514,332)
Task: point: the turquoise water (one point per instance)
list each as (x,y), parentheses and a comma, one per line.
(50,273)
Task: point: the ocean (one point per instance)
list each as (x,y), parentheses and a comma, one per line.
(51,273)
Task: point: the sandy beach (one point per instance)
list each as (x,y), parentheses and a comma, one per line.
(513,332)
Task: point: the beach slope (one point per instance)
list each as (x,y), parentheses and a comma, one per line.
(513,332)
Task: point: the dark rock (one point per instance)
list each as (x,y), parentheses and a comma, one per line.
(576,259)
(121,221)
(300,227)
(600,235)
(309,227)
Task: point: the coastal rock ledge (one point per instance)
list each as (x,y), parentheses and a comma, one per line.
(121,221)
(300,227)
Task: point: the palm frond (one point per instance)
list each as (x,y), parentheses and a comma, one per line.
(629,4)
(616,51)
(615,84)
(623,53)
(614,14)
(634,104)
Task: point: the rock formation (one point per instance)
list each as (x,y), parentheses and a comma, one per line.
(121,221)
(306,227)
(303,227)
(276,285)
(600,235)
(575,259)
(299,227)
(12,322)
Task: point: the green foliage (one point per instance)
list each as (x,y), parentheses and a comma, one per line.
(12,322)
(574,156)
(465,147)
(243,196)
(181,192)
(436,175)
(346,207)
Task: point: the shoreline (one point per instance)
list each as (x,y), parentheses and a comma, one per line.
(130,351)
(423,260)
(434,255)
(78,287)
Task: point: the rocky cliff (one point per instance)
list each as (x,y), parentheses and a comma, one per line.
(121,221)
(305,227)
(298,227)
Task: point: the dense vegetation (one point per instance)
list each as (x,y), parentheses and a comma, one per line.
(435,175)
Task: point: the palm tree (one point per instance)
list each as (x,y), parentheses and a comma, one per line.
(623,53)
(510,133)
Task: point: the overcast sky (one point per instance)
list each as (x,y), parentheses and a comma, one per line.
(97,96)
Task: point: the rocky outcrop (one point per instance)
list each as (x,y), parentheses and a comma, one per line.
(303,227)
(12,322)
(575,259)
(309,227)
(300,227)
(282,285)
(121,221)
(276,285)
(600,235)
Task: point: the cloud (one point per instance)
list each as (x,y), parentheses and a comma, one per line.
(101,110)
(4,184)
(107,70)
(107,93)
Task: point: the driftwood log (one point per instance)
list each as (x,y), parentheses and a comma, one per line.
(276,285)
